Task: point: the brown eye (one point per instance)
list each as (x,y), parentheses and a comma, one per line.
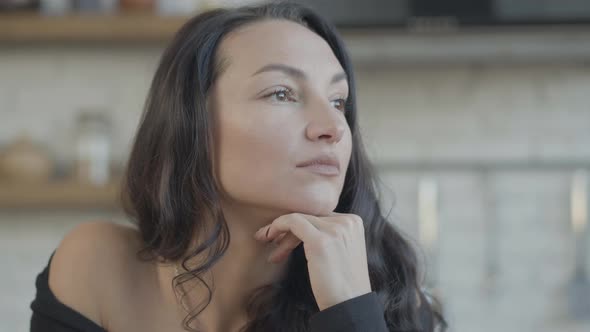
(282,95)
(340,104)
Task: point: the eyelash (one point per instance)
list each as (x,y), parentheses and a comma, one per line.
(289,93)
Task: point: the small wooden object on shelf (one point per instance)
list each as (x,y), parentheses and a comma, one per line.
(70,195)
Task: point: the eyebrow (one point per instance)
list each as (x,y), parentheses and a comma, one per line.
(295,72)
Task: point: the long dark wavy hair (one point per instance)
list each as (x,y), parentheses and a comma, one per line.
(169,184)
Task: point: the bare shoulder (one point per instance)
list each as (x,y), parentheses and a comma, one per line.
(90,260)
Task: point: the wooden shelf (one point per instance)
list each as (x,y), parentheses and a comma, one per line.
(59,195)
(88,28)
(485,45)
(374,47)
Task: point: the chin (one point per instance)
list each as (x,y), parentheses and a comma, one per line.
(320,206)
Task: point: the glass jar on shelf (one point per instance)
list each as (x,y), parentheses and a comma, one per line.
(93,147)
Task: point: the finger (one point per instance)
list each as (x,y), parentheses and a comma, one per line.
(285,248)
(329,224)
(300,225)
(333,221)
(321,223)
(334,214)
(280,237)
(343,219)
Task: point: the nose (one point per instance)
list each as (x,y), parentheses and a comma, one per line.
(325,123)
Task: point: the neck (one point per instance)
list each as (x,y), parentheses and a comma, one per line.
(242,269)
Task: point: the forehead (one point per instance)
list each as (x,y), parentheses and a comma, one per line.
(277,41)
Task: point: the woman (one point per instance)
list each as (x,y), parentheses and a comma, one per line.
(252,196)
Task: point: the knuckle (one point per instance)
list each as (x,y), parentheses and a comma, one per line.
(357,221)
(351,223)
(280,219)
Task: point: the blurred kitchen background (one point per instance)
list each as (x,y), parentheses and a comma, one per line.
(475,112)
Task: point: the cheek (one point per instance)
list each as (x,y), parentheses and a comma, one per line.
(347,146)
(257,159)
(252,155)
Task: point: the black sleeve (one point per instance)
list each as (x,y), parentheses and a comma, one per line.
(360,314)
(42,323)
(51,315)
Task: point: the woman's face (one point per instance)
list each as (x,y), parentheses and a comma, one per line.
(278,103)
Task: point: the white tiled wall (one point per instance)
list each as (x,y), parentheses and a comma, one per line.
(464,112)
(26,242)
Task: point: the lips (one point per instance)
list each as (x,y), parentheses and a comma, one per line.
(323,164)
